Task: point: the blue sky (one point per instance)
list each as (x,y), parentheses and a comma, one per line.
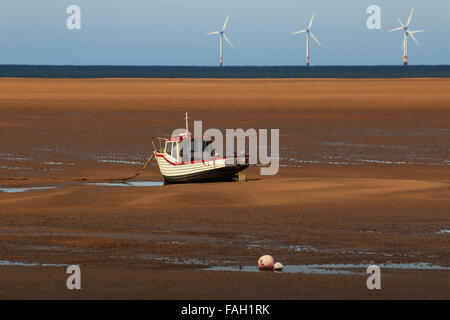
(172,32)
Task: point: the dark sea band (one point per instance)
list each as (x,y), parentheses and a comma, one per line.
(236,72)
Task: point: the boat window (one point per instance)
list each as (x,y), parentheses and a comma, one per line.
(168,147)
(174,151)
(197,147)
(185,150)
(206,144)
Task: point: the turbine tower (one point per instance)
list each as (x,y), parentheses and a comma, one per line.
(308,33)
(222,36)
(406,33)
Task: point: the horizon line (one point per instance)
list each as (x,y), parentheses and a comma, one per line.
(228,66)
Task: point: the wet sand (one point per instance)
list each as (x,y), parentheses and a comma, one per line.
(364,179)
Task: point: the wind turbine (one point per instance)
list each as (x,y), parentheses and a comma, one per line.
(308,33)
(406,33)
(222,35)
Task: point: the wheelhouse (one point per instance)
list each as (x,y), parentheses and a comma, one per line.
(189,149)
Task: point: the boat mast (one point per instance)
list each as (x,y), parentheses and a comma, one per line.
(187,123)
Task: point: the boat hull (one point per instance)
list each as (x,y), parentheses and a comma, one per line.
(218,174)
(198,171)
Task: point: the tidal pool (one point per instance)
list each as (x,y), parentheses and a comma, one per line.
(14,190)
(129,184)
(343,268)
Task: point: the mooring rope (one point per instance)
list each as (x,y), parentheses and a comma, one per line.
(121,179)
(143,168)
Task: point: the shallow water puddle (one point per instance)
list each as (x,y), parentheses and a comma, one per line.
(129,184)
(120,161)
(14,190)
(7,263)
(287,269)
(346,269)
(15,168)
(180,261)
(106,184)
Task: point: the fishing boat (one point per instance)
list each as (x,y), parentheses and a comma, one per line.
(178,165)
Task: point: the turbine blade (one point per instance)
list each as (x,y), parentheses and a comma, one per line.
(211,33)
(297,32)
(311,21)
(415,40)
(396,29)
(417,31)
(401,23)
(228,40)
(315,39)
(225,24)
(410,17)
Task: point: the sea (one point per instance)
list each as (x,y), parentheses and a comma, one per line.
(228,72)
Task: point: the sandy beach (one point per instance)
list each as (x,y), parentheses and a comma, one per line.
(364,179)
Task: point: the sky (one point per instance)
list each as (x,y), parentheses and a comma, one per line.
(172,32)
